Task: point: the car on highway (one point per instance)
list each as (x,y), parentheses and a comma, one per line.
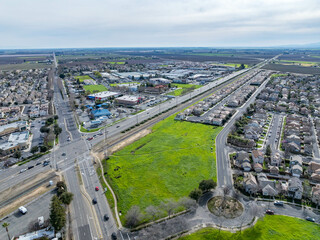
(106,217)
(23,170)
(23,210)
(310,219)
(278,203)
(94,201)
(38,163)
(269,212)
(114,236)
(46,163)
(96,188)
(29,167)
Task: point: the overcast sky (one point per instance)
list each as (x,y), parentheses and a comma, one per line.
(157,23)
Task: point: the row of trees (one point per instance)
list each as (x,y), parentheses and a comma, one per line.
(58,206)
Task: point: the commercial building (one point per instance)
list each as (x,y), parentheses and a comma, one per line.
(127,100)
(103,96)
(13,127)
(16,142)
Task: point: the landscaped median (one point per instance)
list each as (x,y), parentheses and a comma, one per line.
(270,227)
(162,167)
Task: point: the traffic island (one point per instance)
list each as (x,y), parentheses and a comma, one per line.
(225,206)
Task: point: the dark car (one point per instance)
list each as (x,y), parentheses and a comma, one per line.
(89,138)
(38,163)
(30,167)
(310,219)
(63,154)
(94,201)
(270,212)
(114,236)
(106,217)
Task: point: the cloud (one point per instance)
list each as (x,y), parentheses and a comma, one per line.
(105,23)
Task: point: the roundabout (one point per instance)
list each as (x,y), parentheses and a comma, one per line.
(225,206)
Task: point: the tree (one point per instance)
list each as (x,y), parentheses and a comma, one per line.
(17,154)
(57,130)
(57,214)
(62,76)
(66,198)
(195,194)
(61,188)
(268,150)
(49,121)
(242,66)
(133,217)
(152,212)
(56,117)
(43,148)
(188,203)
(34,149)
(206,185)
(44,129)
(6,225)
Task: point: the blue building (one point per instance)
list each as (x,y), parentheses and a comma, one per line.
(100,112)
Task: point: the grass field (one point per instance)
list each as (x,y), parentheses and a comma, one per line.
(166,164)
(81,78)
(95,88)
(271,227)
(182,88)
(116,63)
(300,63)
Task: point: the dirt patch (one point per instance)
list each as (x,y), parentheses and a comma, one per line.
(135,137)
(28,197)
(227,207)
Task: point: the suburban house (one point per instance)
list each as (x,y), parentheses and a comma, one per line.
(295,188)
(276,160)
(264,181)
(257,156)
(257,167)
(269,191)
(250,183)
(274,170)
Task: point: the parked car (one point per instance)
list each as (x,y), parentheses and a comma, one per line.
(310,219)
(114,236)
(97,188)
(278,203)
(270,212)
(106,217)
(23,210)
(63,154)
(94,201)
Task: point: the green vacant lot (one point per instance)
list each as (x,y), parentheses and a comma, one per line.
(116,63)
(166,164)
(81,78)
(271,227)
(182,89)
(95,88)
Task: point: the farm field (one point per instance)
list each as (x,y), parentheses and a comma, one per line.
(236,65)
(23,66)
(271,227)
(81,78)
(299,63)
(166,164)
(95,88)
(292,68)
(183,89)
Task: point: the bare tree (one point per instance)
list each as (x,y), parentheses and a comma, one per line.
(152,212)
(133,217)
(188,203)
(169,206)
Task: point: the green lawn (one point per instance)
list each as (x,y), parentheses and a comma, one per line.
(95,88)
(166,164)
(271,227)
(116,62)
(182,87)
(81,78)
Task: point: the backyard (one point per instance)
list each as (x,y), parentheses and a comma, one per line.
(81,78)
(271,227)
(166,164)
(95,88)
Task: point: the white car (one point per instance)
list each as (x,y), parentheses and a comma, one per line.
(23,170)
(23,210)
